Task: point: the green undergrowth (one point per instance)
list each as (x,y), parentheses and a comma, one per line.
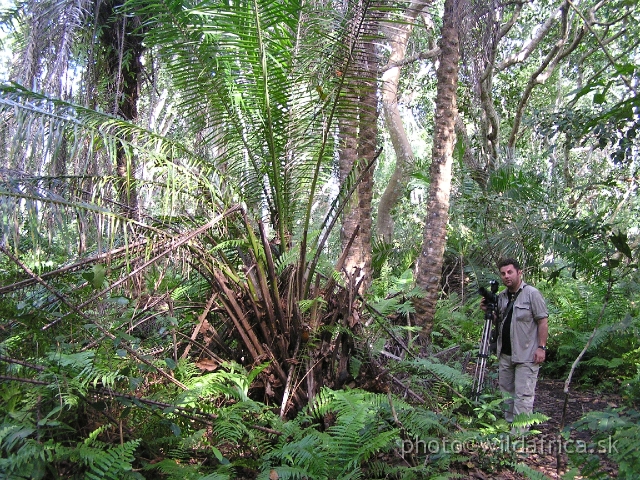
(71,417)
(74,408)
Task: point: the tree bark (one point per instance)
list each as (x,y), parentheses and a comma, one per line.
(124,47)
(430,260)
(398,38)
(367,143)
(347,154)
(358,143)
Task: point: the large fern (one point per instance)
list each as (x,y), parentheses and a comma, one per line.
(616,433)
(24,457)
(103,460)
(439,370)
(343,433)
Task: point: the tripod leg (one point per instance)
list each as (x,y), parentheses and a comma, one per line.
(483,354)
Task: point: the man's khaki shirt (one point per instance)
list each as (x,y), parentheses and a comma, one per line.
(528,309)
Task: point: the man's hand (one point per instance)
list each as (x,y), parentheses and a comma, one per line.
(483,306)
(543,334)
(539,356)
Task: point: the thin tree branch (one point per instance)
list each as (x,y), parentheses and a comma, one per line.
(433,53)
(611,60)
(535,40)
(69,268)
(539,76)
(77,310)
(21,362)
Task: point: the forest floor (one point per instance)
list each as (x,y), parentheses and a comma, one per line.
(541,449)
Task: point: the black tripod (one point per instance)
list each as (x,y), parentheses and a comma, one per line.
(487,342)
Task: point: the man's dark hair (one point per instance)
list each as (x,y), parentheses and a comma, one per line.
(509,261)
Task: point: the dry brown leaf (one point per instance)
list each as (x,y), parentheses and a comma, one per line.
(268,390)
(207,365)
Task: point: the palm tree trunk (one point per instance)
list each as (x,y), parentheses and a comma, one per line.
(429,265)
(367,143)
(347,159)
(358,147)
(124,46)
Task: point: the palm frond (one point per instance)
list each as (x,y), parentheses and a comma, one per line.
(47,33)
(262,96)
(39,125)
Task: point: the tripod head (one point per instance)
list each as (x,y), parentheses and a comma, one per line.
(491,314)
(490,299)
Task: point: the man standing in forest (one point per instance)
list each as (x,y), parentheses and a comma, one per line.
(522,338)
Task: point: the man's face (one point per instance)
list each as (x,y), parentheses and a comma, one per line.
(511,277)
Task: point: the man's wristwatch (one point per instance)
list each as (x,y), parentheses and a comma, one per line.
(542,347)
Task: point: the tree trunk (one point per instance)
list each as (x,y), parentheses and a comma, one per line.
(430,260)
(367,143)
(398,38)
(358,147)
(347,158)
(124,47)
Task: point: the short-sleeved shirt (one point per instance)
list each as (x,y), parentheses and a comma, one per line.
(528,308)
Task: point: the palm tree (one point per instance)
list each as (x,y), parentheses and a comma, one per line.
(261,84)
(358,139)
(429,264)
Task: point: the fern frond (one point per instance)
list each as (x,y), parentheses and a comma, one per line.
(286,473)
(304,456)
(28,461)
(114,463)
(12,435)
(93,436)
(529,472)
(420,422)
(445,372)
(216,476)
(230,384)
(231,424)
(174,470)
(526,420)
(100,460)
(286,258)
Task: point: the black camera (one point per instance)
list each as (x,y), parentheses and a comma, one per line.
(490,296)
(491,312)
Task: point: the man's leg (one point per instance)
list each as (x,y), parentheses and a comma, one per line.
(526,376)
(506,382)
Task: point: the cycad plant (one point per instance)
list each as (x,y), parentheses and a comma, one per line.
(237,189)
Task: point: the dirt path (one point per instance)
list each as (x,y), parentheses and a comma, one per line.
(550,401)
(542,448)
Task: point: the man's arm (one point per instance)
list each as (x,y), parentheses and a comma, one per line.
(543,335)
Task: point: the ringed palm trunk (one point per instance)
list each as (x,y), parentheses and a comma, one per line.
(367,141)
(430,260)
(348,155)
